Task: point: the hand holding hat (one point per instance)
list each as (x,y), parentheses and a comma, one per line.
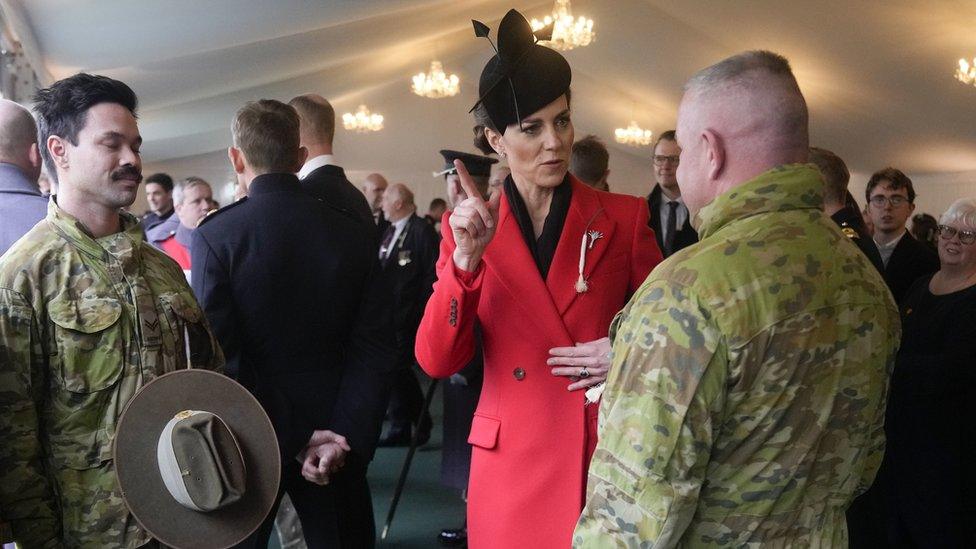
(324,455)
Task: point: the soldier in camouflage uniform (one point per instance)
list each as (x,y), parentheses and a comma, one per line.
(746,398)
(89,313)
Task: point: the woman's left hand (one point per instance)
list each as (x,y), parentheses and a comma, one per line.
(586,364)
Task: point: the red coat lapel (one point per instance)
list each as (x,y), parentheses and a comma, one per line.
(585,214)
(508,258)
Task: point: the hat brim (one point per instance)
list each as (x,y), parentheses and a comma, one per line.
(142,486)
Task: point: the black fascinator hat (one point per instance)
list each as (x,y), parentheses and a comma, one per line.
(523,76)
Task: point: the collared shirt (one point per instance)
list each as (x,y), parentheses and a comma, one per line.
(398,227)
(664,210)
(313,164)
(21,205)
(746,396)
(84,323)
(887,249)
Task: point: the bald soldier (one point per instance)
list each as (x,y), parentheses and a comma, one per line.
(746,395)
(21,203)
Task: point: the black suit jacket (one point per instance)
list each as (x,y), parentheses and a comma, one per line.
(851,222)
(329,184)
(410,272)
(291,288)
(686,235)
(909,261)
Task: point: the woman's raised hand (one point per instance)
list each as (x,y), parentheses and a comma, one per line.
(473,222)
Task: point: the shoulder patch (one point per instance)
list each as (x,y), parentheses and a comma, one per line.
(849,232)
(214,213)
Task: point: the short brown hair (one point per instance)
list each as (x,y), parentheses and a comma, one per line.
(317,118)
(267,132)
(896,180)
(589,159)
(835,174)
(665,136)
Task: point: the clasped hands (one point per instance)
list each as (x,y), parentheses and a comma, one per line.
(591,359)
(324,454)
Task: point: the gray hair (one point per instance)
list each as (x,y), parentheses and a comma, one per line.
(752,70)
(179,190)
(961,211)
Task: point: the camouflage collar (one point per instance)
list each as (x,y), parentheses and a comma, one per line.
(787,187)
(77,234)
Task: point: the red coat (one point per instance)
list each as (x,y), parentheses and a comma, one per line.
(528,464)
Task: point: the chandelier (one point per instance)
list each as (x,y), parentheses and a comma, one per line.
(363,121)
(568,32)
(966,73)
(633,135)
(436,83)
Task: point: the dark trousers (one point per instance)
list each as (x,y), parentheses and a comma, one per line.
(337,515)
(406,398)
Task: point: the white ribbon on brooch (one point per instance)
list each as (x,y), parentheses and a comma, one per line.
(589,237)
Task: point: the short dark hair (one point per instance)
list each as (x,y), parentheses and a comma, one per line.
(437,203)
(835,174)
(267,132)
(589,159)
(896,179)
(62,108)
(161,179)
(669,135)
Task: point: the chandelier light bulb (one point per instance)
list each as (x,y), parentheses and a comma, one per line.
(633,135)
(568,32)
(966,73)
(436,83)
(363,121)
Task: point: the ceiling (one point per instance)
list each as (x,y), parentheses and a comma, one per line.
(877,74)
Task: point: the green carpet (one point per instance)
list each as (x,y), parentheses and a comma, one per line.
(426,505)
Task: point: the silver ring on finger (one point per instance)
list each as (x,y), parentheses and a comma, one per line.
(584,373)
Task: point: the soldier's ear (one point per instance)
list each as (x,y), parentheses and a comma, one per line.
(714,153)
(59,151)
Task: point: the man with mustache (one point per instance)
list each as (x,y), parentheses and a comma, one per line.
(89,314)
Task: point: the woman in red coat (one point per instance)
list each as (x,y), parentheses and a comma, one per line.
(545,266)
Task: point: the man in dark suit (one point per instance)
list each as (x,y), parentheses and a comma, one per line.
(840,205)
(373,188)
(289,284)
(408,254)
(669,216)
(891,201)
(21,202)
(320,175)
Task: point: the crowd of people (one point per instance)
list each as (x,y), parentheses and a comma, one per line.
(745,357)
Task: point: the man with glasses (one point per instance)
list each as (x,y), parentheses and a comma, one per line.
(891,201)
(669,216)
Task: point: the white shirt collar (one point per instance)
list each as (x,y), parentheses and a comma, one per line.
(313,164)
(891,245)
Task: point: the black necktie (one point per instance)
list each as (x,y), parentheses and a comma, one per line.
(671,228)
(387,243)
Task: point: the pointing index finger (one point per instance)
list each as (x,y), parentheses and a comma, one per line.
(467,184)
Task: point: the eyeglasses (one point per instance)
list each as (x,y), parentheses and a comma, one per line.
(879,201)
(947,232)
(660,159)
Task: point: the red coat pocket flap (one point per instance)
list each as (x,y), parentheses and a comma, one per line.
(484,432)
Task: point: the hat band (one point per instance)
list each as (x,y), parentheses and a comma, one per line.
(169,469)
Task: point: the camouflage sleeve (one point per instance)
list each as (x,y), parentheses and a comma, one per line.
(25,495)
(663,401)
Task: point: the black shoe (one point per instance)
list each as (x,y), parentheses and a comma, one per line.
(453,537)
(395,437)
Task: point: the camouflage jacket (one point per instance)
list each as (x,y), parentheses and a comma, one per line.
(84,323)
(746,398)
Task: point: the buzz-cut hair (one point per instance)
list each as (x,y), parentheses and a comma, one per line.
(835,174)
(317,117)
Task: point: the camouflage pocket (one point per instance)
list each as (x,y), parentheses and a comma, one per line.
(185,318)
(89,342)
